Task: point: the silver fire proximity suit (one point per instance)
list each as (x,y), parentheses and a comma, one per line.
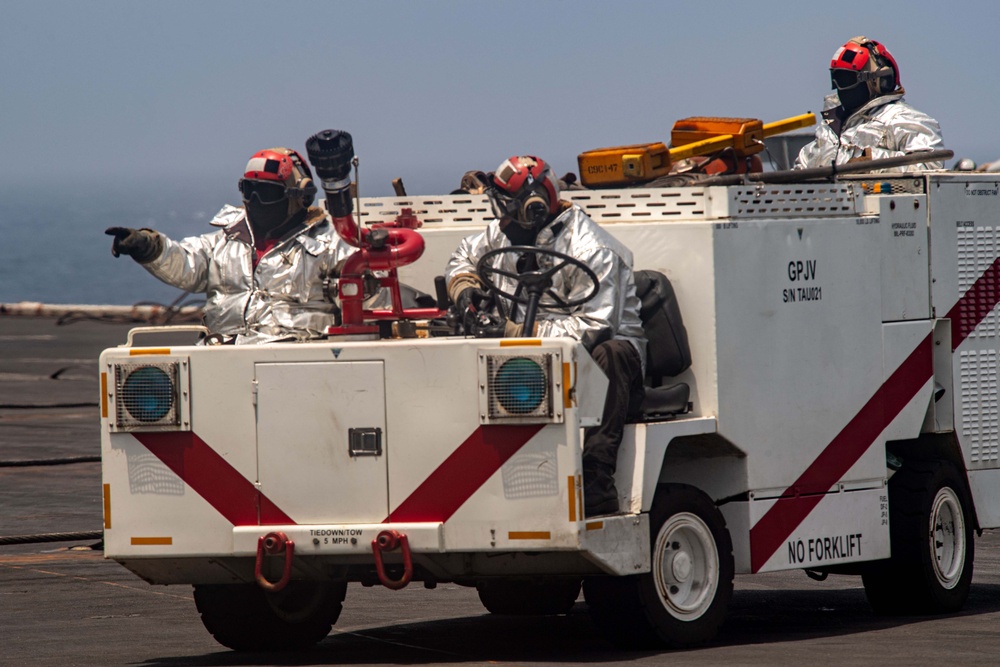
(612,313)
(283,296)
(886,124)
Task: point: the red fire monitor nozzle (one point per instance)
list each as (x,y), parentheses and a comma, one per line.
(382,247)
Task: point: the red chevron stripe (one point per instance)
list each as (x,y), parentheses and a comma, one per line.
(975,305)
(213,478)
(463,473)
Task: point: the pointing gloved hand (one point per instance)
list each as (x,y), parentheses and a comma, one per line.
(143,245)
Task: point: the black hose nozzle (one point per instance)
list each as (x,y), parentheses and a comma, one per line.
(331,153)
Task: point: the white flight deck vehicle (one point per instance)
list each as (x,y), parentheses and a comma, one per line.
(840,414)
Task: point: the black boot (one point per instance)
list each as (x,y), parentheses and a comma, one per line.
(599,493)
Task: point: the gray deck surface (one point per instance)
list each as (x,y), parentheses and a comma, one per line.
(63,604)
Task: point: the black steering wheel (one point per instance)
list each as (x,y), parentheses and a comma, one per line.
(536,283)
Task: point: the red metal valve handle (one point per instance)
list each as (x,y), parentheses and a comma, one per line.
(273,544)
(388,540)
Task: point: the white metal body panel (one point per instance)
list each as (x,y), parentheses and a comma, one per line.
(965,244)
(305,411)
(899,340)
(941,412)
(526,503)
(800,344)
(640,458)
(963,218)
(844,527)
(904,257)
(685,256)
(985,487)
(153,512)
(618,544)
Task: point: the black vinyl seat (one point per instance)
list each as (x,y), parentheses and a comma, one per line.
(665,402)
(667,351)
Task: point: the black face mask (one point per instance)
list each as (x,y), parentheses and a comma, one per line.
(529,208)
(265,218)
(853,98)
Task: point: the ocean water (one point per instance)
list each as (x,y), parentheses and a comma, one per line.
(53,248)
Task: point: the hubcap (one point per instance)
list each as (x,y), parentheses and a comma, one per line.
(681,566)
(947,538)
(686,566)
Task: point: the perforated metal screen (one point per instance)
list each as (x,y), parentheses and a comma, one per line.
(146,395)
(519,386)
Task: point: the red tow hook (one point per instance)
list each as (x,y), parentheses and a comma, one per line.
(388,540)
(274,544)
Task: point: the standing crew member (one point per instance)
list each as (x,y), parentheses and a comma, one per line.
(265,273)
(866,118)
(524,194)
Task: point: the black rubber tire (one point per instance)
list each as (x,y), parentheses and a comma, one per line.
(514,597)
(244,617)
(631,610)
(930,570)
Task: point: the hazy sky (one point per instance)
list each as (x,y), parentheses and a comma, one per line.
(140,91)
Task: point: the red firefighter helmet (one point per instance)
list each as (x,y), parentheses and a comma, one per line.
(524,189)
(863,60)
(274,173)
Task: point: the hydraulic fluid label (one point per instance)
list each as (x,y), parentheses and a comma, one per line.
(904,229)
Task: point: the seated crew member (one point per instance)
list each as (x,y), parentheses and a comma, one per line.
(866,118)
(264,273)
(525,198)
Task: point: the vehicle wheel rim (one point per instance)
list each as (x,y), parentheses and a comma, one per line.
(947,538)
(686,566)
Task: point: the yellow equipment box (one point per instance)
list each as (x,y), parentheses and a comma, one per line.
(624,164)
(700,135)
